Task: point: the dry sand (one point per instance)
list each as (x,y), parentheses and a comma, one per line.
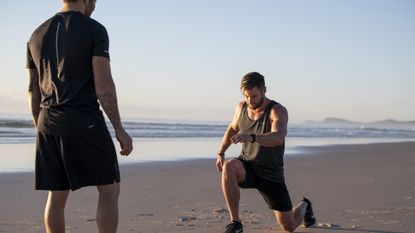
(354,188)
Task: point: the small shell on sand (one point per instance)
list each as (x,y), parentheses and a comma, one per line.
(325,225)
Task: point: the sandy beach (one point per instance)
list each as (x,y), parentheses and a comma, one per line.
(354,188)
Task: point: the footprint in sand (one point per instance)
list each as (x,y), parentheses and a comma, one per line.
(186,219)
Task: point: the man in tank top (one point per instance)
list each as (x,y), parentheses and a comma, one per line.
(260,124)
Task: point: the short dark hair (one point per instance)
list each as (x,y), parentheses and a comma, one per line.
(251,80)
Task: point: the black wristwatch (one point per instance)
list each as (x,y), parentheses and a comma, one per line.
(253,137)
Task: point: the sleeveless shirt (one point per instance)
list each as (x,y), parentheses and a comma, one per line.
(267,162)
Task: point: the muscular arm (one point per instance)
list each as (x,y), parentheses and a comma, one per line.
(34,94)
(107,96)
(279,121)
(231,130)
(226,142)
(105,90)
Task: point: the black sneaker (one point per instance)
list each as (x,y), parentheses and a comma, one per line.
(234,227)
(309,219)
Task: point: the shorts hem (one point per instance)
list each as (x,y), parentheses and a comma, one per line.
(280,209)
(76,187)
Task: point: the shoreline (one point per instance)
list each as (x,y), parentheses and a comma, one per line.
(20,157)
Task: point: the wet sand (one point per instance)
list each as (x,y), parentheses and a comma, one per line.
(354,188)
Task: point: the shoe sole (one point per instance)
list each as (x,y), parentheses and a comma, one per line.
(310,223)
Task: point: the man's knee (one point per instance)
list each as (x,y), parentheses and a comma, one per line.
(286,221)
(110,191)
(233,169)
(227,166)
(230,168)
(57,199)
(287,226)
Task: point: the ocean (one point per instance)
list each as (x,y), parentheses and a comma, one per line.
(172,140)
(22,131)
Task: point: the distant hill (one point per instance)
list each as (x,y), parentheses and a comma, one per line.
(343,123)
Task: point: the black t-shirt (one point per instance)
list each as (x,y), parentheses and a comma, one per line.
(61,50)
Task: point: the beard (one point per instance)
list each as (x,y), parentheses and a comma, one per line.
(257,105)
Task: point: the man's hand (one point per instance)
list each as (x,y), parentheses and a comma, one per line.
(125,141)
(219,162)
(241,138)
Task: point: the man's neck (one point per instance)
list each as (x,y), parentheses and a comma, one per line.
(262,107)
(73,7)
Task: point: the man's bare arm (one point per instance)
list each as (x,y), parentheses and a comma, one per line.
(279,122)
(107,96)
(34,94)
(105,90)
(231,130)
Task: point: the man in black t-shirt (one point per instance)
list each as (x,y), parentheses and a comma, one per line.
(69,72)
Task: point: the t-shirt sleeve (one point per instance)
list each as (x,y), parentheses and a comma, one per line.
(101,44)
(30,64)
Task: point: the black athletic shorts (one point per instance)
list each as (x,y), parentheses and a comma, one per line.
(64,163)
(275,194)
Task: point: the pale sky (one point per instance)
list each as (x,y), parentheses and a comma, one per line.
(184,59)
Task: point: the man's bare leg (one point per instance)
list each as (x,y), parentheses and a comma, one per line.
(290,220)
(233,173)
(107,211)
(55,211)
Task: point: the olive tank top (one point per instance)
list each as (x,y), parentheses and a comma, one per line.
(267,162)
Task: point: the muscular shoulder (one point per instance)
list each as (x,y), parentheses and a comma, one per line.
(239,108)
(240,105)
(40,30)
(279,112)
(92,26)
(237,114)
(97,25)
